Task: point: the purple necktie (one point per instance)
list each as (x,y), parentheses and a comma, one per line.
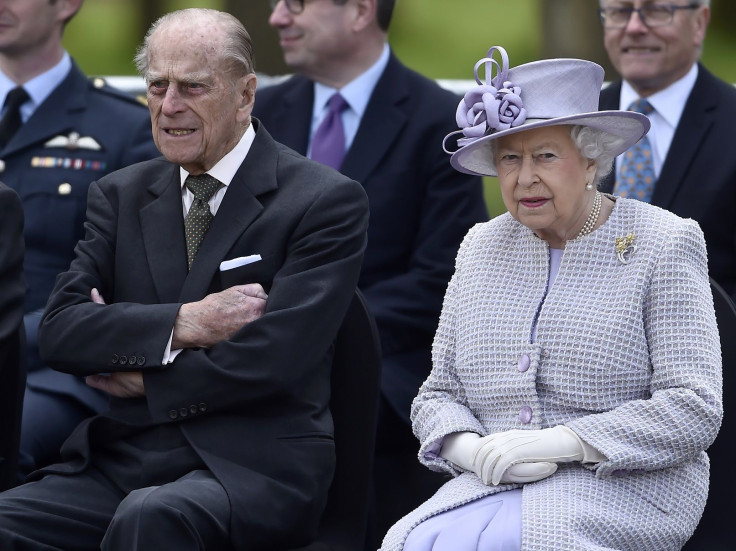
(328,143)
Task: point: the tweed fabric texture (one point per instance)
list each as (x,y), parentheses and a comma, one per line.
(636,177)
(199,217)
(626,354)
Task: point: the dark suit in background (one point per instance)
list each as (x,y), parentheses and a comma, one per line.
(420,210)
(698,177)
(12,373)
(82,131)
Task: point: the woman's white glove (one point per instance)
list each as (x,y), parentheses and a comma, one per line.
(461,447)
(499,453)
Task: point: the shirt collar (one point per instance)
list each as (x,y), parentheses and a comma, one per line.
(357,92)
(225,169)
(39,87)
(668,102)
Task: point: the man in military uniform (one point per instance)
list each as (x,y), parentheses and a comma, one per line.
(58,132)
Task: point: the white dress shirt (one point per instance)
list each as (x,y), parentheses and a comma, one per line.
(668,106)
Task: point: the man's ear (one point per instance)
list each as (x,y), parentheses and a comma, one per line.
(68,8)
(701,20)
(365,14)
(246,86)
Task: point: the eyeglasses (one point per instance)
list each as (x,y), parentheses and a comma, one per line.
(652,15)
(294,6)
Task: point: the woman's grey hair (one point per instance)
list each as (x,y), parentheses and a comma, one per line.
(594,145)
(237,47)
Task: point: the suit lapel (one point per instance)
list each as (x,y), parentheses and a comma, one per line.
(239,208)
(164,242)
(382,121)
(697,118)
(56,115)
(294,118)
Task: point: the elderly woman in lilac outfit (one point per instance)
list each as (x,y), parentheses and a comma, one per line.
(576,376)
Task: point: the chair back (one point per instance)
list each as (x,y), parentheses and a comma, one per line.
(12,390)
(715,531)
(355,384)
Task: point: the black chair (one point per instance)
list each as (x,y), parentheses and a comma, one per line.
(356,377)
(715,532)
(12,390)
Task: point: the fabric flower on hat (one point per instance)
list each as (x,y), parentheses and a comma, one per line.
(486,109)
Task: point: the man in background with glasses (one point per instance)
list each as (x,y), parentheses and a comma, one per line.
(390,123)
(655,47)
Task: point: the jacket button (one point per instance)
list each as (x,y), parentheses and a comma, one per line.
(183,412)
(123,360)
(194,410)
(524,363)
(202,407)
(173,414)
(114,359)
(141,360)
(525,415)
(132,360)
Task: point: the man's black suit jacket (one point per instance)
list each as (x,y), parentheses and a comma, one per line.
(420,208)
(698,177)
(12,370)
(255,407)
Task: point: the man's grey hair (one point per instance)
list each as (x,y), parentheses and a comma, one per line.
(237,48)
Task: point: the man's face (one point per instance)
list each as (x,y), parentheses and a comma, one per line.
(317,39)
(28,25)
(199,111)
(652,58)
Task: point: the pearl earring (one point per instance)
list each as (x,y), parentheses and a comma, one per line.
(589,186)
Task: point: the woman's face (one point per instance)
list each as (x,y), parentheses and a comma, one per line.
(543,177)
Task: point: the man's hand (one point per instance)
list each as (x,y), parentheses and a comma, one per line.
(123,384)
(498,452)
(218,316)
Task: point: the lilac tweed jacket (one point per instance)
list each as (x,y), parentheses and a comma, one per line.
(627,354)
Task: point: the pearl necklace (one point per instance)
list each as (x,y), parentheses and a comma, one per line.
(593,216)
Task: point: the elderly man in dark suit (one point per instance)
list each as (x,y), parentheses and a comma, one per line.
(12,291)
(656,51)
(205,298)
(59,132)
(393,123)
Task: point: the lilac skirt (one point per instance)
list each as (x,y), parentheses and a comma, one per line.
(491,523)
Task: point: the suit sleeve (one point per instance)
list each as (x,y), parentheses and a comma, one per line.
(273,355)
(80,337)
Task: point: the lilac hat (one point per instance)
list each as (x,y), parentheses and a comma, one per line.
(542,93)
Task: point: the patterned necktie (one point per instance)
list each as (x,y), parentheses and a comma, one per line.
(199,216)
(636,177)
(328,143)
(12,121)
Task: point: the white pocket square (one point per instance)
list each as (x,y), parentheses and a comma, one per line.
(74,141)
(238,262)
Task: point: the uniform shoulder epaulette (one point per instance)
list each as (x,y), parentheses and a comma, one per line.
(101,85)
